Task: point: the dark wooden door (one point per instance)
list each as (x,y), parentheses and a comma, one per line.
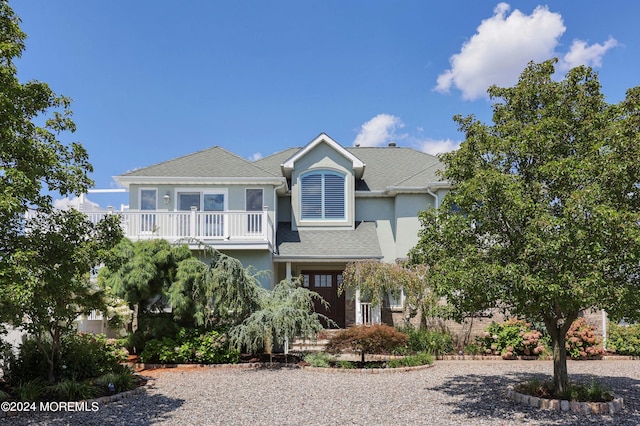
(326,284)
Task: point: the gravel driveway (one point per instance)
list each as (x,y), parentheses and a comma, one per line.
(450,393)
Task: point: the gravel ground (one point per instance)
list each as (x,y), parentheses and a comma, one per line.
(450,393)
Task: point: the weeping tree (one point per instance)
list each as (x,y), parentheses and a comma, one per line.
(374,279)
(141,273)
(282,313)
(543,218)
(215,291)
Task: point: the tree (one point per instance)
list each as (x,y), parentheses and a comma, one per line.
(282,313)
(217,290)
(141,274)
(32,159)
(374,279)
(49,281)
(543,218)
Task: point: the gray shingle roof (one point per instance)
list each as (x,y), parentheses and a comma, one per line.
(362,242)
(385,167)
(211,162)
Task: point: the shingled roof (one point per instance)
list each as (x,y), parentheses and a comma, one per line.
(209,163)
(360,243)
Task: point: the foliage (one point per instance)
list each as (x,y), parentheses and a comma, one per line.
(367,339)
(624,339)
(30,390)
(347,365)
(51,275)
(436,343)
(221,291)
(542,218)
(593,392)
(581,341)
(319,359)
(71,390)
(82,356)
(191,346)
(473,348)
(374,279)
(511,339)
(283,313)
(122,381)
(420,358)
(141,273)
(33,162)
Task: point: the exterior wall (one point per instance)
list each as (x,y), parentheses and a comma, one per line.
(323,157)
(260,260)
(381,211)
(407,207)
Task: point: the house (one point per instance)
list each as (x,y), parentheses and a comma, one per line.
(300,212)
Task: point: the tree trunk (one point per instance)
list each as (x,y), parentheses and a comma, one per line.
(558,332)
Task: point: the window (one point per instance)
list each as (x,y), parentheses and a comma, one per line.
(254,203)
(148,201)
(322,196)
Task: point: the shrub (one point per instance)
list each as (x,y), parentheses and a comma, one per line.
(30,390)
(318,359)
(582,342)
(594,392)
(512,338)
(191,346)
(367,339)
(122,381)
(347,365)
(82,356)
(624,339)
(421,358)
(473,349)
(71,390)
(423,340)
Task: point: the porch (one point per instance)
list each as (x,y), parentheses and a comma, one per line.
(231,229)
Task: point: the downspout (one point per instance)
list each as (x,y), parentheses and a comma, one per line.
(433,194)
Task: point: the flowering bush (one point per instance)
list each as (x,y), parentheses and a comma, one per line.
(582,342)
(511,339)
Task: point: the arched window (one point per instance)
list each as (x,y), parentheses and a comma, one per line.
(322,196)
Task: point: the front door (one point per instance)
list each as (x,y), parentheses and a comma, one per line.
(326,284)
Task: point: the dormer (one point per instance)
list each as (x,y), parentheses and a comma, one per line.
(323,176)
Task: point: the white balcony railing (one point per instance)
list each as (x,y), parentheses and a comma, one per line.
(240,226)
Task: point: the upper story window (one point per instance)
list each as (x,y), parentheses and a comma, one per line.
(322,196)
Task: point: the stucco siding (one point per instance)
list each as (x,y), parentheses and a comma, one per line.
(407,207)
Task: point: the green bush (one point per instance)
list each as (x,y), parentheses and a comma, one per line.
(347,365)
(318,359)
(30,390)
(82,356)
(122,381)
(71,390)
(511,339)
(434,342)
(582,342)
(624,339)
(421,358)
(367,339)
(191,346)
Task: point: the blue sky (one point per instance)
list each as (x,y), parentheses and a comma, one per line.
(153,80)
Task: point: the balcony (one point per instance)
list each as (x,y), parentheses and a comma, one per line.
(228,229)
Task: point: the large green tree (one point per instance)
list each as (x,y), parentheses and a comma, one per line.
(543,220)
(49,275)
(33,162)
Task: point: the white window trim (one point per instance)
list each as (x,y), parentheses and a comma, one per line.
(144,188)
(323,171)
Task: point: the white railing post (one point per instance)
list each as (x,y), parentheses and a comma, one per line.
(358,308)
(263,228)
(192,222)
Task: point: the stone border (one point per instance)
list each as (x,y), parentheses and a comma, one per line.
(101,400)
(573,407)
(531,358)
(277,365)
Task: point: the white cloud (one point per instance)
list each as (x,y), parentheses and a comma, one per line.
(582,54)
(255,156)
(504,44)
(434,147)
(380,130)
(76,203)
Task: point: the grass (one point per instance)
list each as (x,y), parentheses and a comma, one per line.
(593,392)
